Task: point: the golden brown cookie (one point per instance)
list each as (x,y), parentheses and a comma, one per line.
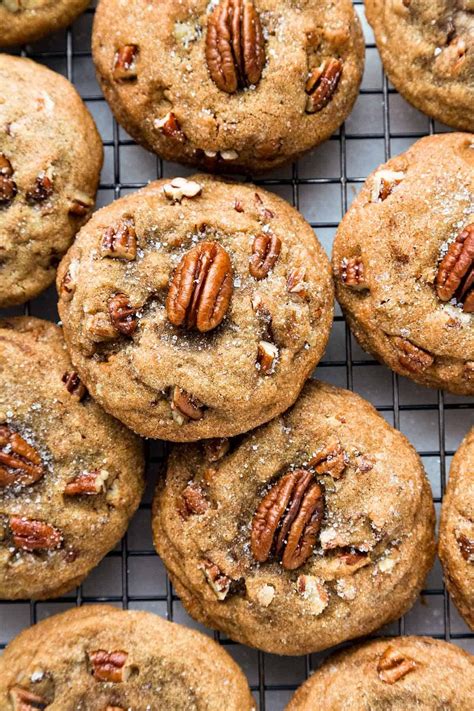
(70,475)
(456,536)
(98,658)
(235,85)
(427,50)
(50,161)
(196,308)
(400,674)
(23,21)
(304,533)
(403,261)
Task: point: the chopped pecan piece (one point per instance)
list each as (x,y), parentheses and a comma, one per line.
(322,84)
(109,666)
(216,448)
(122,314)
(235,46)
(384,183)
(353,559)
(287,520)
(219,582)
(100,328)
(120,240)
(186,405)
(466,546)
(125,63)
(295,282)
(20,463)
(69,281)
(265,252)
(169,126)
(353,273)
(331,460)
(87,483)
(193,500)
(200,288)
(314,592)
(410,356)
(455,277)
(42,189)
(32,535)
(392,666)
(8,188)
(81,206)
(267,356)
(74,386)
(180,188)
(238,206)
(24,700)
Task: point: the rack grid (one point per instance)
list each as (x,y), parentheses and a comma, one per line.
(321,185)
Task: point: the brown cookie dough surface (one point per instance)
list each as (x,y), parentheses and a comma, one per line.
(23,21)
(400,674)
(427,49)
(235,85)
(70,475)
(302,534)
(196,308)
(403,260)
(50,161)
(456,537)
(98,658)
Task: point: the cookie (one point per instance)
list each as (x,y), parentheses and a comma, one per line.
(98,658)
(400,674)
(235,85)
(23,21)
(304,533)
(70,475)
(50,161)
(427,50)
(403,261)
(196,308)
(456,536)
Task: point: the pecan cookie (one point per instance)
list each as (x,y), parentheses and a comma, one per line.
(98,658)
(50,161)
(196,308)
(400,674)
(403,261)
(70,475)
(302,534)
(24,21)
(427,49)
(456,536)
(229,85)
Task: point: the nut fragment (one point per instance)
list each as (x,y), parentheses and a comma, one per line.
(295,282)
(24,700)
(186,405)
(352,273)
(169,126)
(193,500)
(30,534)
(200,288)
(8,188)
(20,463)
(81,206)
(125,63)
(87,483)
(392,666)
(330,459)
(322,84)
(267,356)
(455,277)
(265,252)
(384,183)
(287,520)
(120,240)
(42,189)
(410,356)
(69,281)
(109,666)
(314,592)
(74,386)
(219,582)
(216,448)
(466,546)
(180,188)
(235,47)
(122,314)
(100,328)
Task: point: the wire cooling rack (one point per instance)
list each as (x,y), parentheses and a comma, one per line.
(322,186)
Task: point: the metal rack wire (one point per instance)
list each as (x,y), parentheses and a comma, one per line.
(321,186)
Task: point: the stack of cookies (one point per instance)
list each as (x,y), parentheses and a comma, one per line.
(291,517)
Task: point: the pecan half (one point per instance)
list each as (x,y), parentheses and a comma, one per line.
(322,84)
(265,252)
(287,520)
(235,47)
(125,63)
(74,386)
(193,500)
(24,700)
(32,535)
(352,273)
(331,460)
(219,582)
(87,483)
(42,189)
(20,463)
(8,188)
(455,277)
(120,241)
(410,356)
(200,288)
(122,314)
(109,666)
(392,666)
(186,405)
(466,546)
(170,127)
(267,356)
(216,448)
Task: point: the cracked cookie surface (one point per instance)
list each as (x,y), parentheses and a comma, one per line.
(23,21)
(196,308)
(70,475)
(427,49)
(400,674)
(301,534)
(50,161)
(403,260)
(99,658)
(235,85)
(456,537)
